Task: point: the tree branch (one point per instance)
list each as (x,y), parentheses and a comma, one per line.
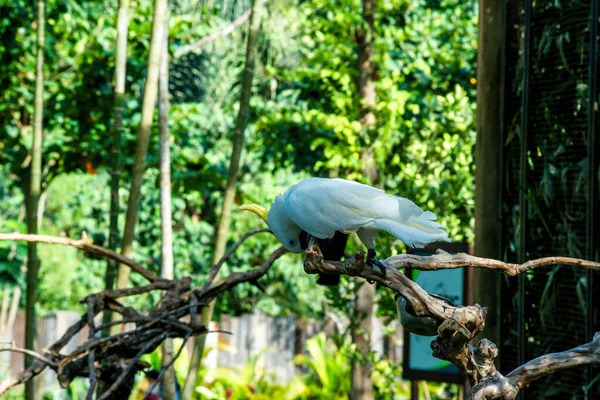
(217,267)
(114,359)
(443,260)
(587,354)
(213,36)
(30,353)
(459,325)
(422,302)
(86,245)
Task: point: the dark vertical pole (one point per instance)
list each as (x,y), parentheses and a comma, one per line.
(488,156)
(523,176)
(414,390)
(592,204)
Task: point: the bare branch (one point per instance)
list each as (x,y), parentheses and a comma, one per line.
(104,359)
(114,359)
(587,354)
(238,277)
(161,284)
(30,353)
(85,245)
(217,267)
(422,302)
(167,366)
(91,354)
(459,325)
(130,367)
(443,260)
(213,36)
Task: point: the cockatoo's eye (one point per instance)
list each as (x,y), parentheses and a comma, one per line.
(292,242)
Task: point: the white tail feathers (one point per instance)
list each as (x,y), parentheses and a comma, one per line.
(414,226)
(416,234)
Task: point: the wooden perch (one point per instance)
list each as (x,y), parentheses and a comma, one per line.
(443,260)
(462,324)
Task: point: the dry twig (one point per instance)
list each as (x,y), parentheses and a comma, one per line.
(215,35)
(85,245)
(30,353)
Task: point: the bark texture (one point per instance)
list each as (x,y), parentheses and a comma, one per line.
(34,193)
(230,188)
(115,359)
(362,383)
(115,173)
(143,136)
(488,154)
(166,224)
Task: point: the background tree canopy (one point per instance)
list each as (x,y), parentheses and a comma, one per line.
(303,122)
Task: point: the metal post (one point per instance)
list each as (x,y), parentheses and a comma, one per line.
(523,175)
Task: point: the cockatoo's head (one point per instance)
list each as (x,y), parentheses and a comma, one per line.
(284,229)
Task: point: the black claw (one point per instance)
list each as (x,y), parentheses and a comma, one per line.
(371,256)
(373,262)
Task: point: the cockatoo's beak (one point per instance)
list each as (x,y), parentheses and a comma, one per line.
(256,209)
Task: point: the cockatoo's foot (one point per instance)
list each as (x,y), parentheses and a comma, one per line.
(373,262)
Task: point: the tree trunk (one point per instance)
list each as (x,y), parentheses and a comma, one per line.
(34,194)
(362,384)
(234,167)
(166,225)
(486,283)
(115,173)
(141,150)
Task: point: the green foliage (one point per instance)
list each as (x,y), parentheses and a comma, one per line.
(12,255)
(422,142)
(181,365)
(249,382)
(329,374)
(303,122)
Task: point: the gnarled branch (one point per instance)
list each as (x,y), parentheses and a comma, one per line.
(459,325)
(115,359)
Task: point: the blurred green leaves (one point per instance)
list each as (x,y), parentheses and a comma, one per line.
(303,122)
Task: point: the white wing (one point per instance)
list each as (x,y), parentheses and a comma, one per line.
(322,206)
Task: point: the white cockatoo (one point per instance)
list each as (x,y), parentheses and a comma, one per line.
(323,208)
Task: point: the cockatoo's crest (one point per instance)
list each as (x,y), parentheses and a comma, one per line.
(256,209)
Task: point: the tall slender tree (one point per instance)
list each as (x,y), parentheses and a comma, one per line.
(362,384)
(120,75)
(143,136)
(166,225)
(230,188)
(34,192)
